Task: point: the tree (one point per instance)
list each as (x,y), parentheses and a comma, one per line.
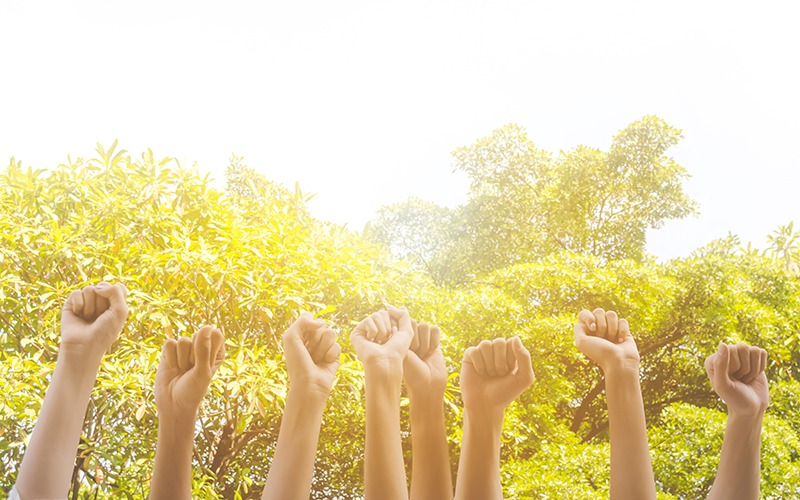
(525,203)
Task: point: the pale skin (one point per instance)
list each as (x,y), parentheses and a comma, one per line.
(606,339)
(184,374)
(425,375)
(382,349)
(91,320)
(312,358)
(493,375)
(737,374)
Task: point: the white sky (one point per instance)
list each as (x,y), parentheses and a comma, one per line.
(362,102)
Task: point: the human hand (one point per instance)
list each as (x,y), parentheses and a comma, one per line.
(737,374)
(185,371)
(92,318)
(312,355)
(380,346)
(606,340)
(424,368)
(495,373)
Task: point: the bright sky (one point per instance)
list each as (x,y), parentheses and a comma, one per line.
(362,102)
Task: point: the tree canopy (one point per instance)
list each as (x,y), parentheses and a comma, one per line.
(250,257)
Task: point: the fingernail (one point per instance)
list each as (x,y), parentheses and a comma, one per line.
(593,327)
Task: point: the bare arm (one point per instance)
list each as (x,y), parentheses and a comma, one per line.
(607,341)
(312,356)
(492,376)
(184,374)
(381,350)
(91,320)
(425,374)
(737,375)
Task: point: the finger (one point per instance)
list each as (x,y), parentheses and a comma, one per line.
(721,367)
(184,353)
(511,358)
(327,339)
(202,351)
(74,303)
(586,319)
(116,295)
(169,354)
(474,356)
(305,322)
(743,352)
(755,365)
(624,330)
(415,339)
(383,332)
(372,329)
(734,364)
(401,317)
(525,366)
(709,365)
(499,351)
(424,335)
(217,349)
(387,322)
(333,353)
(101,302)
(89,303)
(485,348)
(312,339)
(403,334)
(612,322)
(600,320)
(435,339)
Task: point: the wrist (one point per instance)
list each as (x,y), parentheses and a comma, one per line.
(750,419)
(80,356)
(307,397)
(621,368)
(384,371)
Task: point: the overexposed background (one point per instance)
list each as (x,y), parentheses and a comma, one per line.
(362,101)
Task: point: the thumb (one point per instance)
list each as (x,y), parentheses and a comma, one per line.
(524,364)
(404,333)
(116,295)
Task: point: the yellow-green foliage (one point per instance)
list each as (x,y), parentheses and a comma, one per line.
(249,258)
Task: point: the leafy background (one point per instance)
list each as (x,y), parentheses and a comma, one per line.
(540,237)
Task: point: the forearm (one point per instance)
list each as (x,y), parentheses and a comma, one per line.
(172,473)
(292,467)
(47,467)
(739,472)
(384,468)
(430,466)
(479,466)
(631,470)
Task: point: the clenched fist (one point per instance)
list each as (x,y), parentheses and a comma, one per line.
(92,318)
(495,373)
(737,374)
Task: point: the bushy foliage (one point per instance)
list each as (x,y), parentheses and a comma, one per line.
(249,258)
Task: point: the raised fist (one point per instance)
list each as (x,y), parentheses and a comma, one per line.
(185,371)
(737,374)
(379,344)
(424,368)
(606,339)
(312,354)
(92,318)
(495,373)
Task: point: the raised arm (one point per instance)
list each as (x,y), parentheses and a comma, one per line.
(492,376)
(91,321)
(737,374)
(425,375)
(312,357)
(382,349)
(607,340)
(184,374)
